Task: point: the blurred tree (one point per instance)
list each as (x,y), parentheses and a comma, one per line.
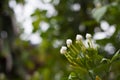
(8,32)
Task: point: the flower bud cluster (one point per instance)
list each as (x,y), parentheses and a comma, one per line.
(79,41)
(82,53)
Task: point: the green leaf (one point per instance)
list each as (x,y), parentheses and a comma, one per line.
(72,76)
(98,13)
(36,25)
(117,55)
(105,60)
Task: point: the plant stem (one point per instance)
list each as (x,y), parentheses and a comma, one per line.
(90,74)
(92,78)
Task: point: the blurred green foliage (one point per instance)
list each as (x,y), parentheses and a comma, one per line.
(21,60)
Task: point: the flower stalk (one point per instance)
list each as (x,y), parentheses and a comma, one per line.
(78,54)
(86,57)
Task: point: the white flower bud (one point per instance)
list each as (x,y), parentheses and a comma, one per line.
(69,42)
(88,36)
(79,37)
(63,50)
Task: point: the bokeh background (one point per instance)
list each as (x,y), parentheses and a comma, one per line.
(32,32)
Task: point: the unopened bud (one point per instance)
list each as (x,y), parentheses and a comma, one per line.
(79,37)
(63,50)
(69,42)
(88,36)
